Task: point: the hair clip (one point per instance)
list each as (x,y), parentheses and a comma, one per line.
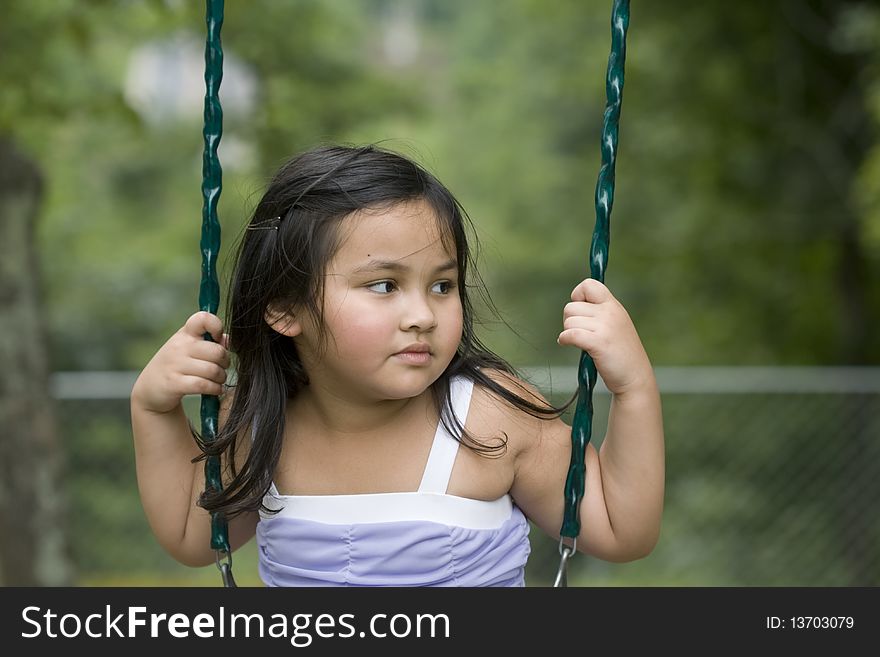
(268,224)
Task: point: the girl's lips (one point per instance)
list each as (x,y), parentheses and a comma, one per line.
(416,347)
(414,357)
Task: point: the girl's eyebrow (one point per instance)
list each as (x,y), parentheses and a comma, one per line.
(396,266)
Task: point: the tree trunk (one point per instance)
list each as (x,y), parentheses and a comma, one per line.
(33,540)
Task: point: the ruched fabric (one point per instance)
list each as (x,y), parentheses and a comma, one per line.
(399,553)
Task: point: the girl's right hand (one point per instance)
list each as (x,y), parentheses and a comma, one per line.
(186,364)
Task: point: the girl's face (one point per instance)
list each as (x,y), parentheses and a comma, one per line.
(392,309)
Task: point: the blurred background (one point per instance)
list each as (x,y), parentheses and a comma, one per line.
(745,244)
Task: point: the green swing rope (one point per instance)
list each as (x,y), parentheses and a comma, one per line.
(582,424)
(209,289)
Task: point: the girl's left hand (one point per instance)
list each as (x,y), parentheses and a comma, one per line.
(598,323)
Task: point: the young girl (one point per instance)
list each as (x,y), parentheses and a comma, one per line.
(370,439)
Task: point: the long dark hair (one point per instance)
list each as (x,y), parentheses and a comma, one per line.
(280,262)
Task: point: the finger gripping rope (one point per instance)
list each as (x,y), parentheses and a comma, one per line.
(582,422)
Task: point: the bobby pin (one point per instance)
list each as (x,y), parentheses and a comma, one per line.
(268,224)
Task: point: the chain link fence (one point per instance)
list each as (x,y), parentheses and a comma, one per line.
(773,479)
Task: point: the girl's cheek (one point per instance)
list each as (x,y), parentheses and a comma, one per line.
(361,329)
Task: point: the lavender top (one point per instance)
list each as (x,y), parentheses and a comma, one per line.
(421,538)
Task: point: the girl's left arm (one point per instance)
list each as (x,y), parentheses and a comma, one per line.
(624,487)
(630,464)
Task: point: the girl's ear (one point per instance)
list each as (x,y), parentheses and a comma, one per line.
(283,322)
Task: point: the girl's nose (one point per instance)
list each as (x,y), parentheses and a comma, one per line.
(417,314)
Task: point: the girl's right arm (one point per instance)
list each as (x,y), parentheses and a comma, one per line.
(169,482)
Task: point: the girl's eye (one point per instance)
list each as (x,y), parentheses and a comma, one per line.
(382,287)
(441,287)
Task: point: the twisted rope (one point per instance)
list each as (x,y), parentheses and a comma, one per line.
(582,424)
(209,289)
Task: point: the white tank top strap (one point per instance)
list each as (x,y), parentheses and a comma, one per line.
(438,470)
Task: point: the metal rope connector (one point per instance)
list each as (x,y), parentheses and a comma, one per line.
(565,553)
(224,564)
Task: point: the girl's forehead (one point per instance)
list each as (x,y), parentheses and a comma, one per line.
(394,231)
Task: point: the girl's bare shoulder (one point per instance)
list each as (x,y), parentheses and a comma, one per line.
(492,413)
